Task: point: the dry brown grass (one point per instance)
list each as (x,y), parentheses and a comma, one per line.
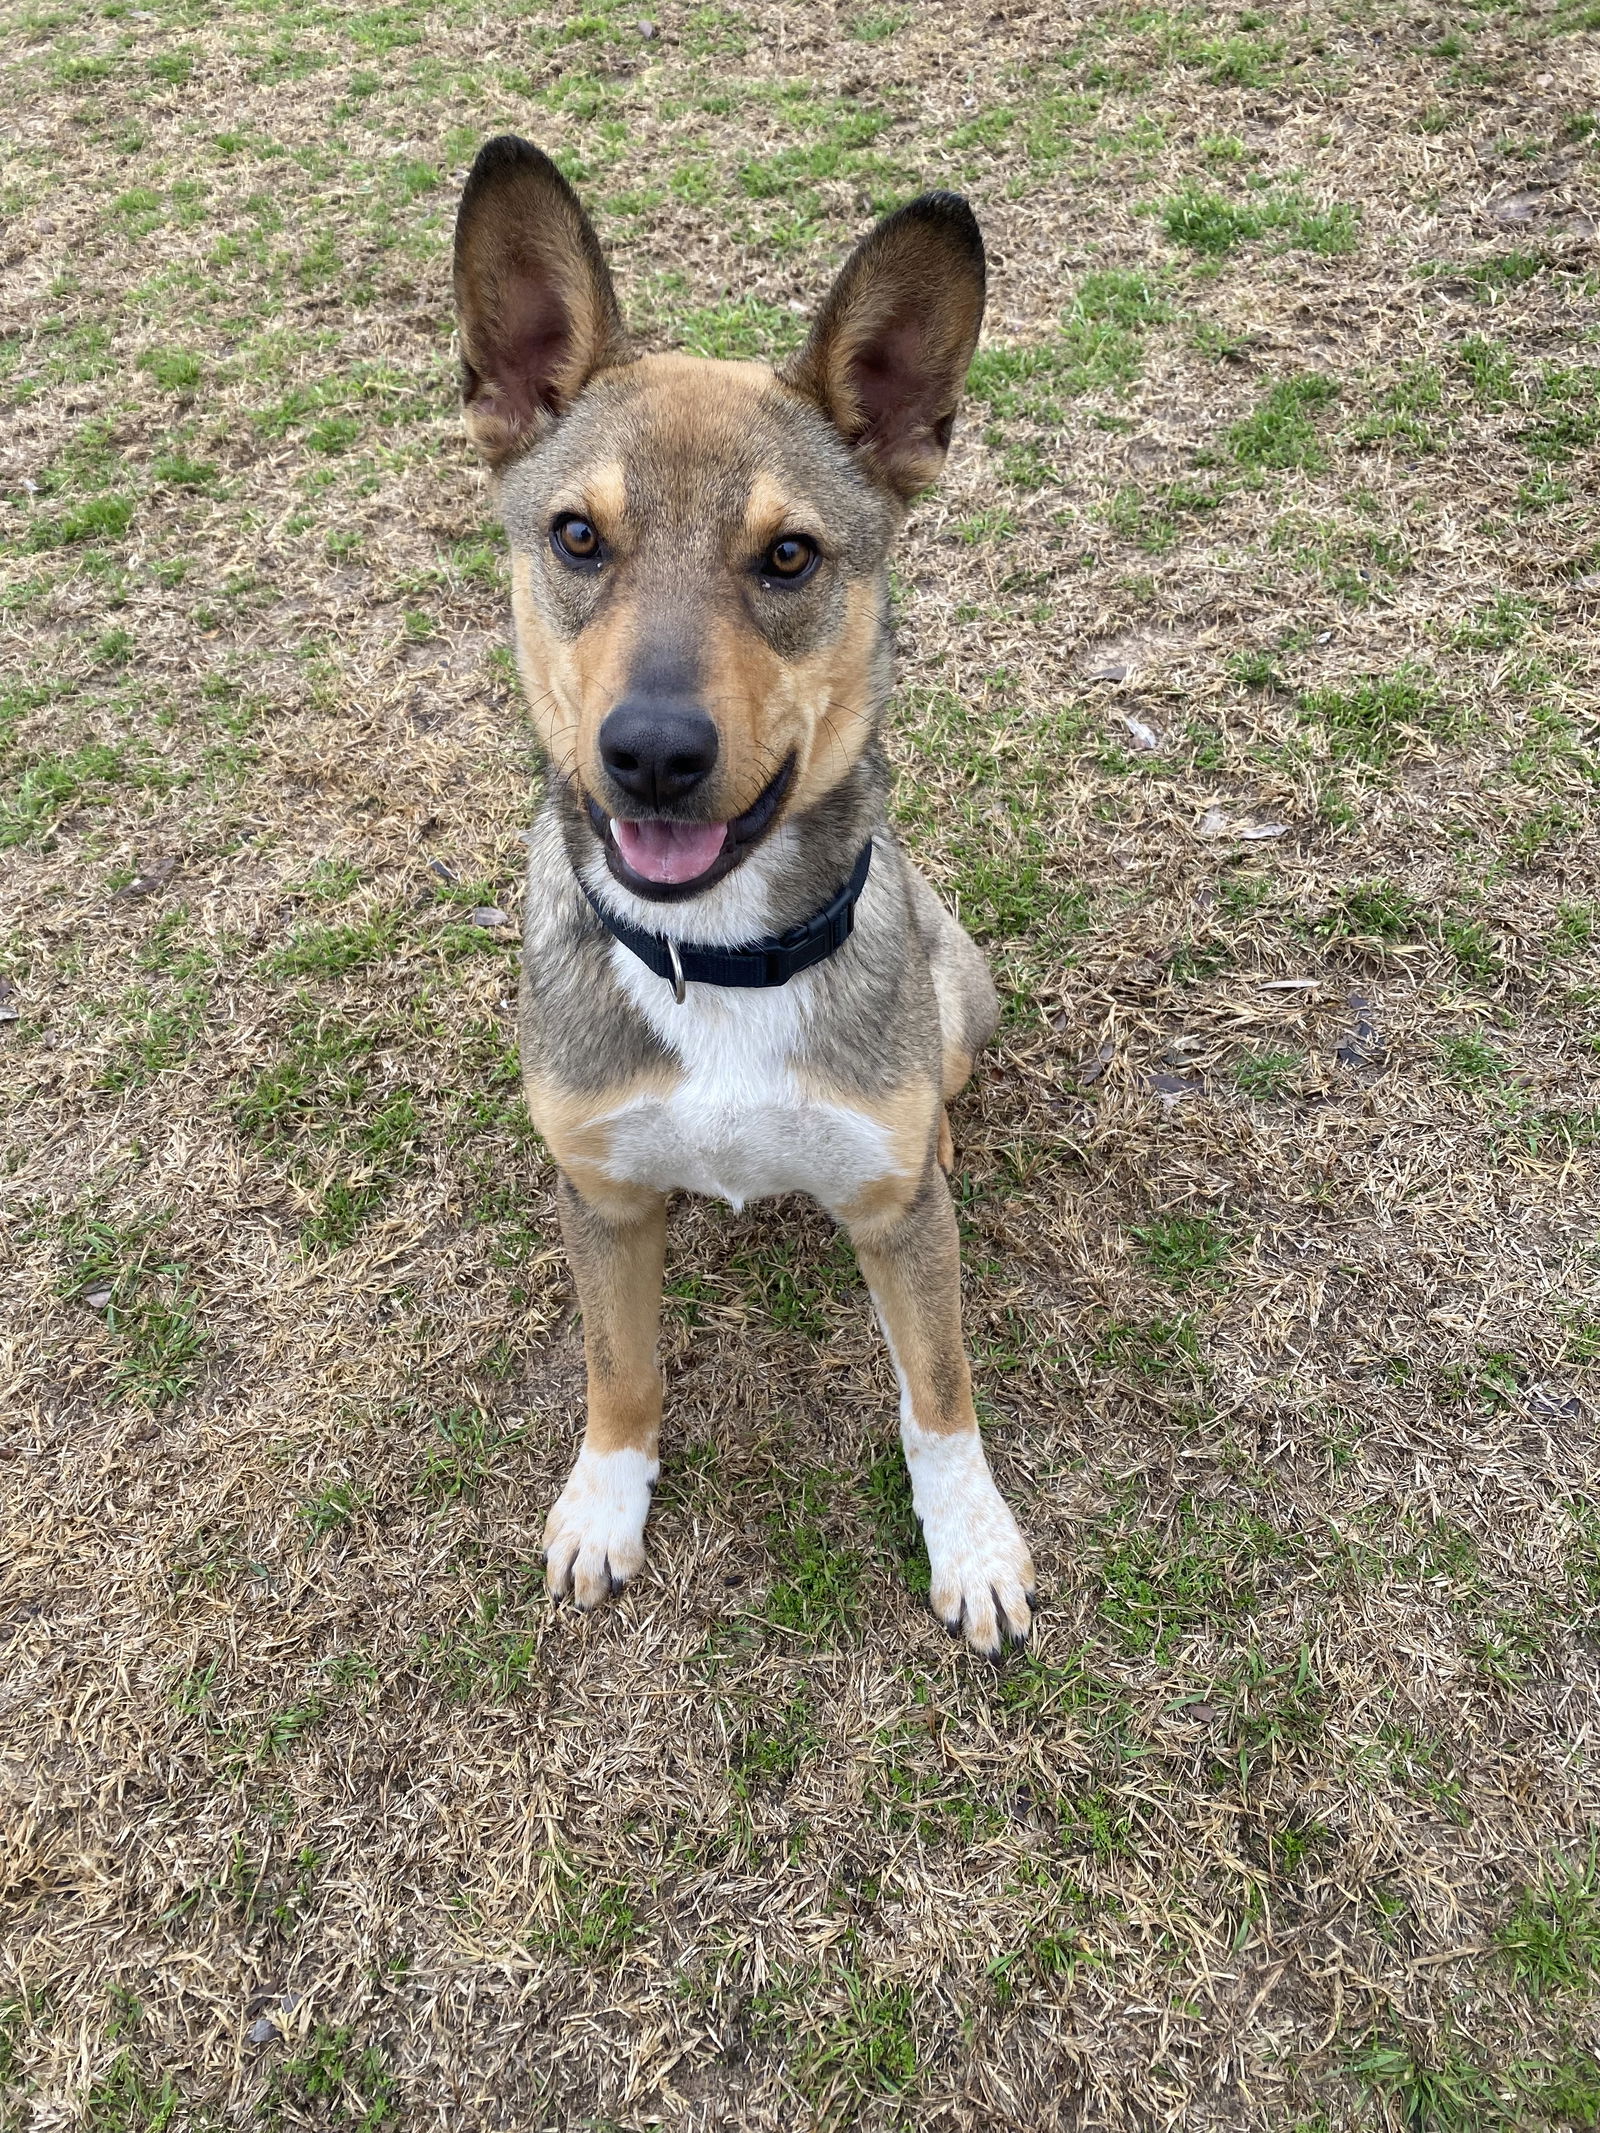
(1279,1190)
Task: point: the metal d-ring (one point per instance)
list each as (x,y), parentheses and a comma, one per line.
(680,989)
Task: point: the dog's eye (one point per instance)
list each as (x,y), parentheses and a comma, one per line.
(574,538)
(790,559)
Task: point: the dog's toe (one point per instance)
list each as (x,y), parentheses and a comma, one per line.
(594,1536)
(561,1552)
(981,1582)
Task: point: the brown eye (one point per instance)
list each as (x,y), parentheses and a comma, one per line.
(790,559)
(575,538)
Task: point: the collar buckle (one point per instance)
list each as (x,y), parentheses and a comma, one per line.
(680,989)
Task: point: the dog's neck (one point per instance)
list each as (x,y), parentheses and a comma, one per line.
(790,875)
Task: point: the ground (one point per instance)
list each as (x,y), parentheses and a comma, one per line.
(1247,712)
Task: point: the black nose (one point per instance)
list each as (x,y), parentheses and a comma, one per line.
(657,752)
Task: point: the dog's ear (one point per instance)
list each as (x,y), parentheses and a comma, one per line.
(537,312)
(890,347)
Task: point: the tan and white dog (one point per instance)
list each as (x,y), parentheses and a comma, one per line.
(734,981)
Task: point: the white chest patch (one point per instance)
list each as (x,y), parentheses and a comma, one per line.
(739,1126)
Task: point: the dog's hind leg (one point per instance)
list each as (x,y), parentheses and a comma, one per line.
(982,1580)
(594,1536)
(969,1006)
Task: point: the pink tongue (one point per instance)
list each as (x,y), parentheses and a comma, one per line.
(669,851)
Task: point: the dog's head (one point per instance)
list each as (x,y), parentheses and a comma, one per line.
(698,547)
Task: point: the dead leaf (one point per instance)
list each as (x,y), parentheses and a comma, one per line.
(151,878)
(1360,1046)
(1172,1088)
(1092,1069)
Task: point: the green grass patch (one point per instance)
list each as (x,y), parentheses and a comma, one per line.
(101,518)
(176,470)
(1567,421)
(334,2080)
(328,951)
(1282,433)
(460,1460)
(163,1032)
(858,2044)
(1267,1074)
(1159,1349)
(740,329)
(47,789)
(770,1749)
(175,370)
(1182,1249)
(124,2099)
(489,1656)
(1372,720)
(1097,349)
(1550,1942)
(322,1097)
(1214,224)
(1155,519)
(150,1312)
(1160,1581)
(815,1595)
(332,1508)
(1494,625)
(1468,1062)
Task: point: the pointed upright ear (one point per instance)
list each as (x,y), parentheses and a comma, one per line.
(890,347)
(537,313)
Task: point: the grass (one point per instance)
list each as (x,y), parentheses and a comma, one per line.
(154,1336)
(815,1594)
(45,789)
(1372,720)
(341,2081)
(126,2100)
(866,2047)
(1267,1074)
(1282,433)
(1276,1192)
(1212,224)
(1184,1248)
(457,1465)
(1550,1941)
(1157,1587)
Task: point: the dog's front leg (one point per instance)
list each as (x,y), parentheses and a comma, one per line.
(594,1536)
(982,1573)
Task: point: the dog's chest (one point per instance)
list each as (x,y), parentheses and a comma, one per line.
(741,1123)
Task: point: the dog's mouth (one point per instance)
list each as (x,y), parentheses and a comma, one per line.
(664,860)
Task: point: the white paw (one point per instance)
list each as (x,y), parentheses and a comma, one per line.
(594,1536)
(982,1573)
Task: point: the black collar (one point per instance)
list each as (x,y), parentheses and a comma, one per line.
(773,961)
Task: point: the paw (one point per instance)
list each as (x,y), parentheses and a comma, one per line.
(594,1536)
(982,1574)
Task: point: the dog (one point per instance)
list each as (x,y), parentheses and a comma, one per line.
(734,982)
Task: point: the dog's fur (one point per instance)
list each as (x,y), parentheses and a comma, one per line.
(688,471)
